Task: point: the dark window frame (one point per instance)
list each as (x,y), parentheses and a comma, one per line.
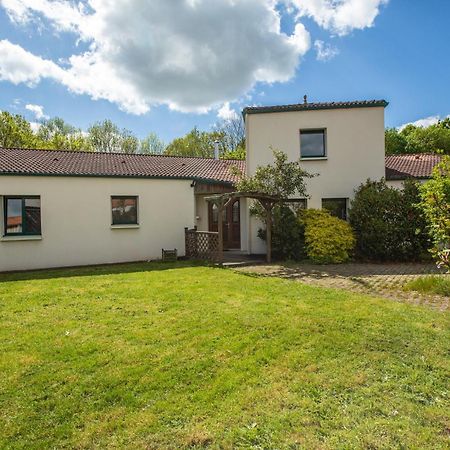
(23,198)
(324,138)
(345,199)
(125,197)
(294,203)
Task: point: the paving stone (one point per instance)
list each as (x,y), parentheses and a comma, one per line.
(383,280)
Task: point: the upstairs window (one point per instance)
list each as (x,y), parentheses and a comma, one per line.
(22,216)
(312,144)
(124,210)
(336,206)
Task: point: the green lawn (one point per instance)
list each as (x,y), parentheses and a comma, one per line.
(432,284)
(172,356)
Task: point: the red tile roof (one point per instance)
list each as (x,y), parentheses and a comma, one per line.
(420,165)
(15,161)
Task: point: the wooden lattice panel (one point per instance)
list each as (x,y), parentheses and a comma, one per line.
(202,245)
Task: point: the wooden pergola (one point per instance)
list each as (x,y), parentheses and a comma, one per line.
(266,201)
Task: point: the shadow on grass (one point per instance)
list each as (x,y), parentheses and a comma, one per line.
(98,270)
(350,270)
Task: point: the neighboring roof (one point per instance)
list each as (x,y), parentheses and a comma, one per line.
(15,161)
(420,165)
(315,106)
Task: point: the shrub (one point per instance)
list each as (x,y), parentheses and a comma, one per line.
(287,234)
(388,223)
(435,203)
(328,240)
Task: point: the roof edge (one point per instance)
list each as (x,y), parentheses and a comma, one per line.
(315,106)
(144,177)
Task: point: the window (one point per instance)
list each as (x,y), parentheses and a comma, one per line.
(336,206)
(312,144)
(124,210)
(22,216)
(297,204)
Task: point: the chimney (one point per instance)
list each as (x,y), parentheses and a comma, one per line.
(305,99)
(216,149)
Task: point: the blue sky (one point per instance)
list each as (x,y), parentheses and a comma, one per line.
(180,72)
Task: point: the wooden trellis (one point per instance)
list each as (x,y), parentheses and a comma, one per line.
(267,202)
(202,245)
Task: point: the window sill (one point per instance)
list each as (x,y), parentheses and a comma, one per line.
(125,227)
(20,238)
(315,158)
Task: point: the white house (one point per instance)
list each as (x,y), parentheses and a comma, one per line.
(75,208)
(62,208)
(343,143)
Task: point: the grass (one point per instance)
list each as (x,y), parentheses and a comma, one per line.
(432,284)
(176,356)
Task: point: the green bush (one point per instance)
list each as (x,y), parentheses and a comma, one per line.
(328,240)
(287,234)
(435,204)
(388,224)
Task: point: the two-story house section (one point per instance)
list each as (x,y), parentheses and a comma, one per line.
(342,142)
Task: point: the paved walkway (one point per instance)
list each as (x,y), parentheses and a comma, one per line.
(385,280)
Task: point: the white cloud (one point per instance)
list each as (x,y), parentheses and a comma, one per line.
(190,55)
(19,66)
(226,113)
(340,16)
(324,51)
(37,110)
(425,122)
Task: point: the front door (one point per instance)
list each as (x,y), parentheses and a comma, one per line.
(231,224)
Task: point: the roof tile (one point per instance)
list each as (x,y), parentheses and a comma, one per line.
(315,106)
(419,165)
(15,161)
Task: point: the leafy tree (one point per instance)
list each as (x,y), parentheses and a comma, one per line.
(435,203)
(107,137)
(395,142)
(233,135)
(152,145)
(16,131)
(280,180)
(432,139)
(59,135)
(196,143)
(413,139)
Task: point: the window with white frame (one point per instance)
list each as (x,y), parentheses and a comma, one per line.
(313,143)
(124,209)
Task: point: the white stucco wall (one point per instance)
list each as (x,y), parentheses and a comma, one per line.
(76,221)
(354,146)
(396,184)
(201,213)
